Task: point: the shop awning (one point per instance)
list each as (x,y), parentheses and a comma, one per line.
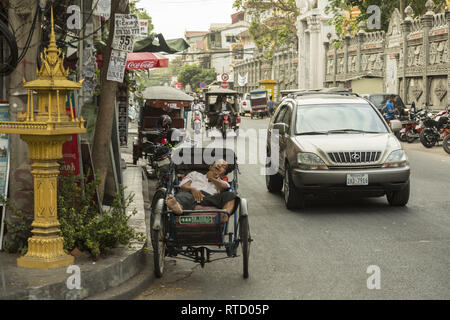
(146,60)
(157,43)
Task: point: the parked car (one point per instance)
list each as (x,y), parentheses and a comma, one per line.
(379,100)
(331,144)
(245,106)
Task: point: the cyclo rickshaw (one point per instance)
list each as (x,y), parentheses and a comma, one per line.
(192,234)
(159,101)
(258,103)
(213,98)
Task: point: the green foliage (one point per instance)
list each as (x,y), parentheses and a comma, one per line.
(81,224)
(19,230)
(272,24)
(193,75)
(142,14)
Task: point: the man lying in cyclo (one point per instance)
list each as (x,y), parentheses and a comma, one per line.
(205,190)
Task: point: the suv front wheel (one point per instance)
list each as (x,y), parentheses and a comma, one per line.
(292,197)
(274,182)
(399,198)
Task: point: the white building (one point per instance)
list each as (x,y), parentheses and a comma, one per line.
(313,31)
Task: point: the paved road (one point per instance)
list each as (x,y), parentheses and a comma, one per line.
(324,251)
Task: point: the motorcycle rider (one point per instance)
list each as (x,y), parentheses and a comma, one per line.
(225,106)
(196,105)
(164,123)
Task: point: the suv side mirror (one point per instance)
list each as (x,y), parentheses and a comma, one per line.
(396,125)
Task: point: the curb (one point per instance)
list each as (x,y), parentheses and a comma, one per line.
(132,287)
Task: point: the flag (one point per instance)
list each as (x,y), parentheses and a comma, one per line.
(242,80)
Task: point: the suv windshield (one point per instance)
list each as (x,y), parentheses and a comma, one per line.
(338,118)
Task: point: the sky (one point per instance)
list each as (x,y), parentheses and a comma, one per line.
(173,17)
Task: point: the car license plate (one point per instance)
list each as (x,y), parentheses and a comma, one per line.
(357,179)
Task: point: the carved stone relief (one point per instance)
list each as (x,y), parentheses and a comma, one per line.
(364,62)
(440,90)
(330,66)
(379,62)
(438,52)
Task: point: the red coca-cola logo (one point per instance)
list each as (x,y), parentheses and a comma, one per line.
(141,65)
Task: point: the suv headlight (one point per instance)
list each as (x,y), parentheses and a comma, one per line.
(396,159)
(310,161)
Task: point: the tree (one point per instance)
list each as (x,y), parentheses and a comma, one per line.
(105,116)
(194,75)
(272,24)
(337,7)
(142,14)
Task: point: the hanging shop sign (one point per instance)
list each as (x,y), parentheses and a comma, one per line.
(143,28)
(117,64)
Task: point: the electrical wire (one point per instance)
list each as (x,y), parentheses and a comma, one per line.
(30,36)
(11,63)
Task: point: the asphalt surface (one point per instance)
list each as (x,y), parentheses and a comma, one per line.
(326,250)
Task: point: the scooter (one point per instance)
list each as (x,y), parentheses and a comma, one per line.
(197,121)
(226,123)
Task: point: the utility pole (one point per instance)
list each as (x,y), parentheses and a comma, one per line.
(21,14)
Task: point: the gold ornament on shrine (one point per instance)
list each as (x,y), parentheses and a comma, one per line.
(45,128)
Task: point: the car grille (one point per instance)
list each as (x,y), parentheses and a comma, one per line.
(355,157)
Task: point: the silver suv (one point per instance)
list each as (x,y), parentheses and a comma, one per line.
(334,143)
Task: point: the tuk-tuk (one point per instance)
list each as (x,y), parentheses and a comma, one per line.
(258,102)
(213,98)
(159,101)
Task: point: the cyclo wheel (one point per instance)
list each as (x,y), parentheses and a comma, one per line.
(157,236)
(244,235)
(446,143)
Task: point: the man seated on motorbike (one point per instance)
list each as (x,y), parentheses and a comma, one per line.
(206,190)
(390,109)
(225,106)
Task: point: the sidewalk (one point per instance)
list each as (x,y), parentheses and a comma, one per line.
(119,275)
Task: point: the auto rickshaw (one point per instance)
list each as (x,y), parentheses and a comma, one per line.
(159,101)
(258,102)
(213,111)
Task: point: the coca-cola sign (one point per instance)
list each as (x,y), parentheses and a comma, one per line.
(133,65)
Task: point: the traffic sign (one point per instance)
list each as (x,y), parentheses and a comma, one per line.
(225,85)
(225,77)
(202,85)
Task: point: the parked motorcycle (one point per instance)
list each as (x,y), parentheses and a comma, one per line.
(158,153)
(414,127)
(436,128)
